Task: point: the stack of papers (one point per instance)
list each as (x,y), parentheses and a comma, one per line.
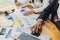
(20,24)
(4,21)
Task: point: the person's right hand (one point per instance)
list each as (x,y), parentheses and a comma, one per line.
(37,27)
(28,13)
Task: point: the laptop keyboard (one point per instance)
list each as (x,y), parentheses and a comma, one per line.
(25,36)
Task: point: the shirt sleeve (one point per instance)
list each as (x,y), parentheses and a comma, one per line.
(58,10)
(42,6)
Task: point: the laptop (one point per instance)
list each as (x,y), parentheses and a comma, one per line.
(27,35)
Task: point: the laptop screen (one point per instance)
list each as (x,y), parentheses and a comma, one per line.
(25,36)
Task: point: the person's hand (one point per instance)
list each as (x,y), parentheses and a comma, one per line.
(17,4)
(37,27)
(1,12)
(28,13)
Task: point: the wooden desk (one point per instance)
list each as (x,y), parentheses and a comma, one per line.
(48,28)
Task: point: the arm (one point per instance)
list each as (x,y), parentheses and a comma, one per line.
(42,6)
(44,15)
(38,25)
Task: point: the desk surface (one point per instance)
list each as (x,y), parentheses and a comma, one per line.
(49,29)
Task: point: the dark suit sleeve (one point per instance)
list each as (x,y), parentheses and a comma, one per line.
(16,1)
(44,15)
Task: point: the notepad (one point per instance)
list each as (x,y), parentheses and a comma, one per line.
(28,20)
(16,22)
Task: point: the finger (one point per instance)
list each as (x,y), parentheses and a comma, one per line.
(34,29)
(40,29)
(37,28)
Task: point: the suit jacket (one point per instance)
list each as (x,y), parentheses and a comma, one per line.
(50,9)
(57,23)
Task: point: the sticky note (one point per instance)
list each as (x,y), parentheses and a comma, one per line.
(16,22)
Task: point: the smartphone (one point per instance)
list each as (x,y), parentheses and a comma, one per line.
(3,31)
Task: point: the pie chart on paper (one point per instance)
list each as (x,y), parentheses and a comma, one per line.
(5,3)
